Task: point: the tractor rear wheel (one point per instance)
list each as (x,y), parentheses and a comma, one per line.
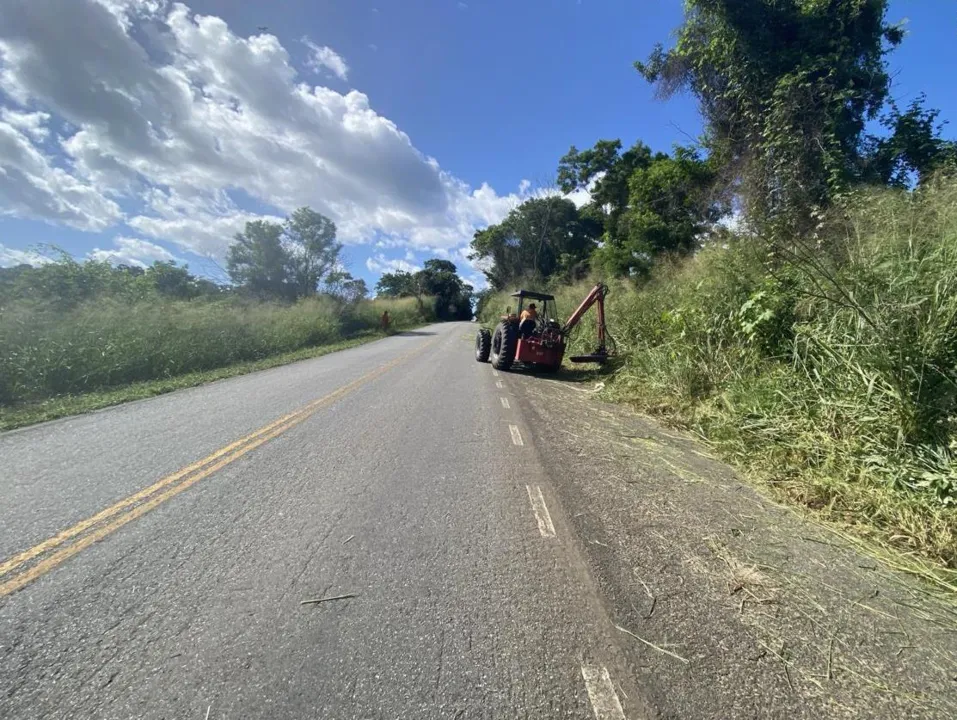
(483,345)
(504,341)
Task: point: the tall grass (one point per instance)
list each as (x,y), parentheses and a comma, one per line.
(827,370)
(104,343)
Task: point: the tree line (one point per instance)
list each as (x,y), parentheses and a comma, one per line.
(797,111)
(66,283)
(268,261)
(301,257)
(438,279)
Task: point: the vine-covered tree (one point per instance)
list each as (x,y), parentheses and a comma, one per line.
(786,88)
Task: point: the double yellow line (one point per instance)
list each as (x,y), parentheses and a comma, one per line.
(25,567)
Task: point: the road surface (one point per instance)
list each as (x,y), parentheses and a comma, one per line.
(154,556)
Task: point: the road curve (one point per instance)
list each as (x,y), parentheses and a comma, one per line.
(154,557)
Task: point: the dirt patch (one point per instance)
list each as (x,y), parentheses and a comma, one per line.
(729,604)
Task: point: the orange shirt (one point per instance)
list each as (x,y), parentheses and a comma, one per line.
(529,314)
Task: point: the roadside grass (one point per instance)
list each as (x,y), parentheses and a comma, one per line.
(825,369)
(15,416)
(55,364)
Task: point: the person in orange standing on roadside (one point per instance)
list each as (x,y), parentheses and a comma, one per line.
(385,321)
(526,321)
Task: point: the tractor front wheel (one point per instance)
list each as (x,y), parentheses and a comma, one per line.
(483,345)
(504,341)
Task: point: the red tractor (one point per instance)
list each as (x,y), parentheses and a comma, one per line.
(538,341)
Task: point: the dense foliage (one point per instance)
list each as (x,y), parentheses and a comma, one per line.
(785,88)
(811,336)
(439,280)
(292,260)
(66,283)
(835,385)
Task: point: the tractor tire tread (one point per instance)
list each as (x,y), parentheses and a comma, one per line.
(483,345)
(508,337)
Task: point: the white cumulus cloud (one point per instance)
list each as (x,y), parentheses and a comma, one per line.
(323,57)
(133,251)
(143,113)
(379,264)
(32,186)
(11,257)
(34,124)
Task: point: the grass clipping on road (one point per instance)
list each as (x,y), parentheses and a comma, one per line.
(827,374)
(106,352)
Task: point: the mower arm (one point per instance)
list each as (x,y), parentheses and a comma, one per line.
(597,295)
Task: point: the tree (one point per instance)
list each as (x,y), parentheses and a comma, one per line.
(397,284)
(785,88)
(310,244)
(913,149)
(341,285)
(608,171)
(354,290)
(285,261)
(438,279)
(541,238)
(436,265)
(258,262)
(670,206)
(453,298)
(170,280)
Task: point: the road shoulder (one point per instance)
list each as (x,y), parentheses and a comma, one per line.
(728,604)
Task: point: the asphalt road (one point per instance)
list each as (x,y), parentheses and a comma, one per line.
(154,556)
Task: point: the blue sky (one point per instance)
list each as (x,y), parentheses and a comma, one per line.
(136,130)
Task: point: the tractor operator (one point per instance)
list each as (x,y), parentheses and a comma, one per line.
(526,321)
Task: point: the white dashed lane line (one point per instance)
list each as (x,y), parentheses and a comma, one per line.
(516,435)
(601,692)
(545,526)
(495,373)
(499,385)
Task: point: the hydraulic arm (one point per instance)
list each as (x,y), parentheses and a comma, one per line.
(596,296)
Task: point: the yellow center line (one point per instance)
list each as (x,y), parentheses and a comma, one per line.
(134,506)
